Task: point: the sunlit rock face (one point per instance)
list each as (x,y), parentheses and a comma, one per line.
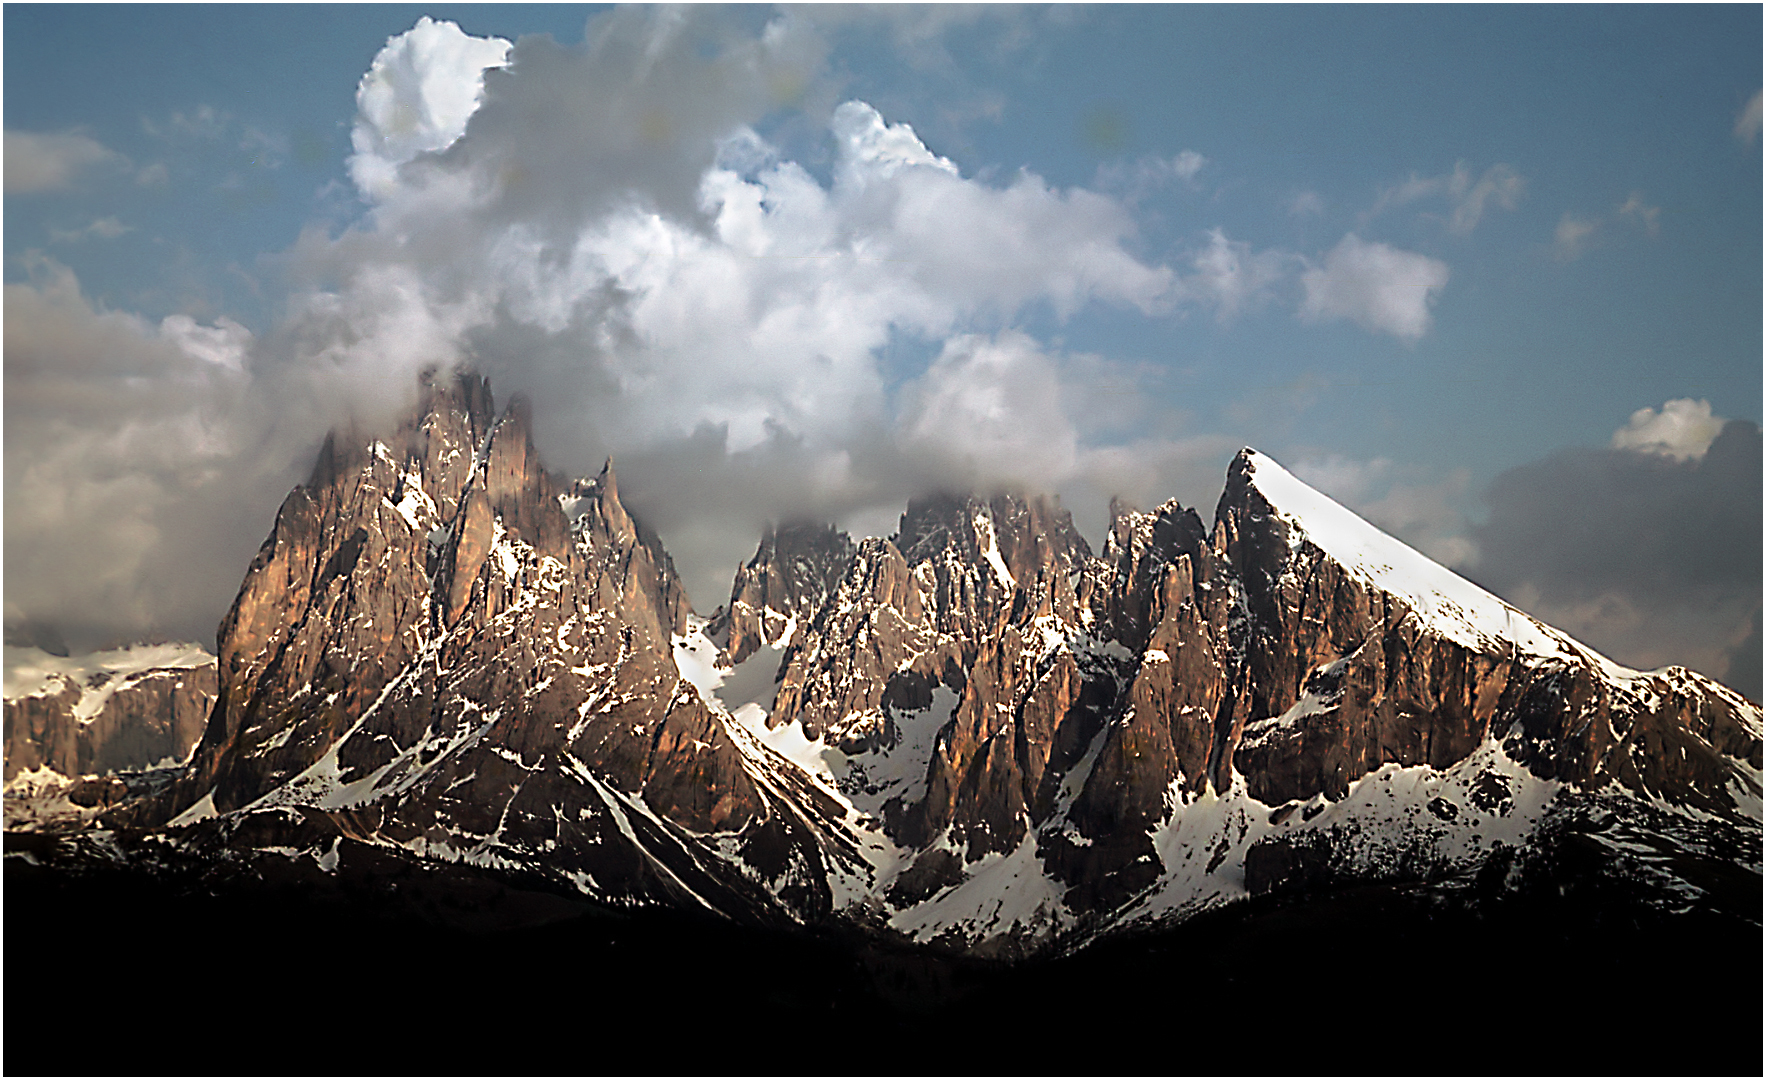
(784,587)
(975,735)
(442,648)
(1347,676)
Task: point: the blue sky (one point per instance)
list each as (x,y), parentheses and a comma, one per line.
(1405,250)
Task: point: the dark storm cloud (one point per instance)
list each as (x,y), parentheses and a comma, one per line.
(1650,559)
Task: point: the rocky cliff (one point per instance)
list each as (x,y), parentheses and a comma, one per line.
(443,649)
(976,734)
(783,588)
(105,712)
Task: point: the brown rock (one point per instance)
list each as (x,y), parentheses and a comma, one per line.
(149,716)
(796,569)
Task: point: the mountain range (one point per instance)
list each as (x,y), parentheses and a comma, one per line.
(977,735)
(977,738)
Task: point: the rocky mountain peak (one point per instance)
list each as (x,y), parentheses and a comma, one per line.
(1024,536)
(611,521)
(796,568)
(1140,551)
(1239,477)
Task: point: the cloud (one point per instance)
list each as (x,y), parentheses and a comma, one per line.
(635,115)
(107,228)
(132,451)
(1375,285)
(1681,429)
(1635,209)
(416,98)
(1184,165)
(820,323)
(871,147)
(1572,237)
(1145,472)
(38,162)
(268,150)
(1648,551)
(1233,278)
(760,301)
(144,460)
(601,229)
(991,408)
(1500,185)
(1747,122)
(1744,662)
(1306,204)
(202,122)
(989,413)
(1141,178)
(1651,557)
(919,34)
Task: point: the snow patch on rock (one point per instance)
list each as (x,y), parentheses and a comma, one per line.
(31,672)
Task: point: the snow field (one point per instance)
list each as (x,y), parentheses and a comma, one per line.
(31,672)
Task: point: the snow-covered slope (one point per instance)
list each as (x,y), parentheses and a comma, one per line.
(1446,603)
(31,672)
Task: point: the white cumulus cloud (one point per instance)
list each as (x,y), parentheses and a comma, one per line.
(819,323)
(871,147)
(606,233)
(1375,285)
(1682,429)
(993,407)
(1232,277)
(416,98)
